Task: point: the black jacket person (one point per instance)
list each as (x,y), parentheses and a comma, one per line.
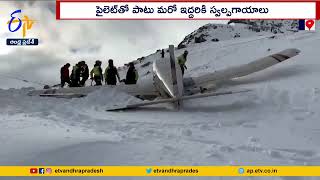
(96,73)
(111,74)
(64,75)
(75,76)
(132,75)
(84,73)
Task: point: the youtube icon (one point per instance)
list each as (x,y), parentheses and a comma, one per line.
(33,170)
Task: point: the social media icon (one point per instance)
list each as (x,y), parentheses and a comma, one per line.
(48,170)
(33,170)
(149,170)
(241,170)
(41,170)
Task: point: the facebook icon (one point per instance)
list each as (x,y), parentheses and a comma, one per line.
(41,170)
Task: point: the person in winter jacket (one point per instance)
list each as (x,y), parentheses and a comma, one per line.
(64,75)
(132,75)
(84,73)
(162,53)
(75,76)
(182,59)
(96,73)
(111,74)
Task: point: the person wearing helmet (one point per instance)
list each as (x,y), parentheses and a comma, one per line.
(111,74)
(75,75)
(132,75)
(84,73)
(182,59)
(64,75)
(96,73)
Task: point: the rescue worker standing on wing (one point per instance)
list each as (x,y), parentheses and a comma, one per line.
(75,75)
(84,73)
(96,73)
(182,59)
(111,74)
(132,75)
(64,75)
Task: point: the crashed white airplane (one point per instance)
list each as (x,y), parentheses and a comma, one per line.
(168,83)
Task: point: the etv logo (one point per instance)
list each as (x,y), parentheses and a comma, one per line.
(26,24)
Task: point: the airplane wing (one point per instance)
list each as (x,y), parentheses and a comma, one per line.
(148,90)
(239,71)
(144,89)
(172,100)
(63,95)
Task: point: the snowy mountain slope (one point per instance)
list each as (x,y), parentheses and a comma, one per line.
(276,124)
(274,26)
(228,35)
(236,29)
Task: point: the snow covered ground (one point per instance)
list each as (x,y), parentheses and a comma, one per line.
(276,124)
